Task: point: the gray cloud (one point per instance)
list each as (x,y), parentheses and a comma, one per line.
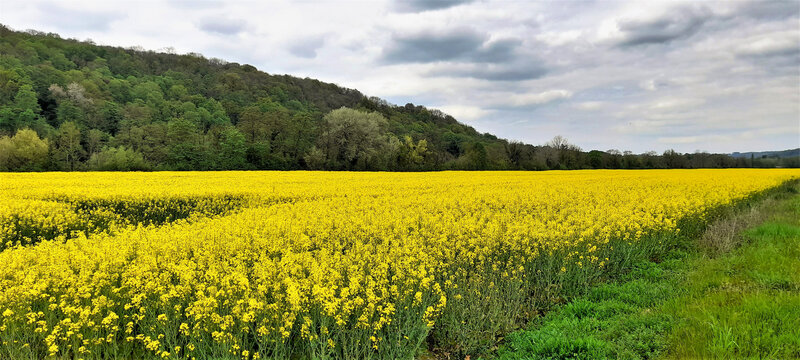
(461,44)
(497,51)
(426,5)
(222,25)
(307,48)
(432,47)
(677,24)
(769,9)
(510,74)
(500,72)
(776,54)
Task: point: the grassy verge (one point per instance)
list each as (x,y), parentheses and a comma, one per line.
(733,293)
(745,304)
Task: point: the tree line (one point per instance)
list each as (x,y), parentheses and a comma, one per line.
(72,105)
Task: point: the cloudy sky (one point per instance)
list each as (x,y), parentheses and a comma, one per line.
(711,76)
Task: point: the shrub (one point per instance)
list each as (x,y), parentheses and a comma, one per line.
(118,159)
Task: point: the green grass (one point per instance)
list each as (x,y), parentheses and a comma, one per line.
(614,320)
(745,304)
(742,304)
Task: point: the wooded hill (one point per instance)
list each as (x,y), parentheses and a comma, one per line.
(74,105)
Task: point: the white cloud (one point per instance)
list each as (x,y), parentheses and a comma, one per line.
(464,112)
(676,103)
(782,42)
(679,140)
(589,105)
(536,98)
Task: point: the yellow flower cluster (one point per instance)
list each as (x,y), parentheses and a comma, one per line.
(46,206)
(323,265)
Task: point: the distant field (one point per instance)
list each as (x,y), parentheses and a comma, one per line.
(252,265)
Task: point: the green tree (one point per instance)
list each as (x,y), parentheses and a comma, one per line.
(23,152)
(117,159)
(185,148)
(412,155)
(95,140)
(149,92)
(68,111)
(596,159)
(9,84)
(315,159)
(477,158)
(300,139)
(68,151)
(515,152)
(673,159)
(8,119)
(253,124)
(23,113)
(233,149)
(111,114)
(350,138)
(177,92)
(120,90)
(26,100)
(263,121)
(259,154)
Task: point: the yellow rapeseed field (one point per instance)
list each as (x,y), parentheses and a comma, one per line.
(254,265)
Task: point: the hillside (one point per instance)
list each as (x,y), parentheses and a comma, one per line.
(178,111)
(73,105)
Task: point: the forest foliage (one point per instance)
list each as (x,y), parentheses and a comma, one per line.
(73,105)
